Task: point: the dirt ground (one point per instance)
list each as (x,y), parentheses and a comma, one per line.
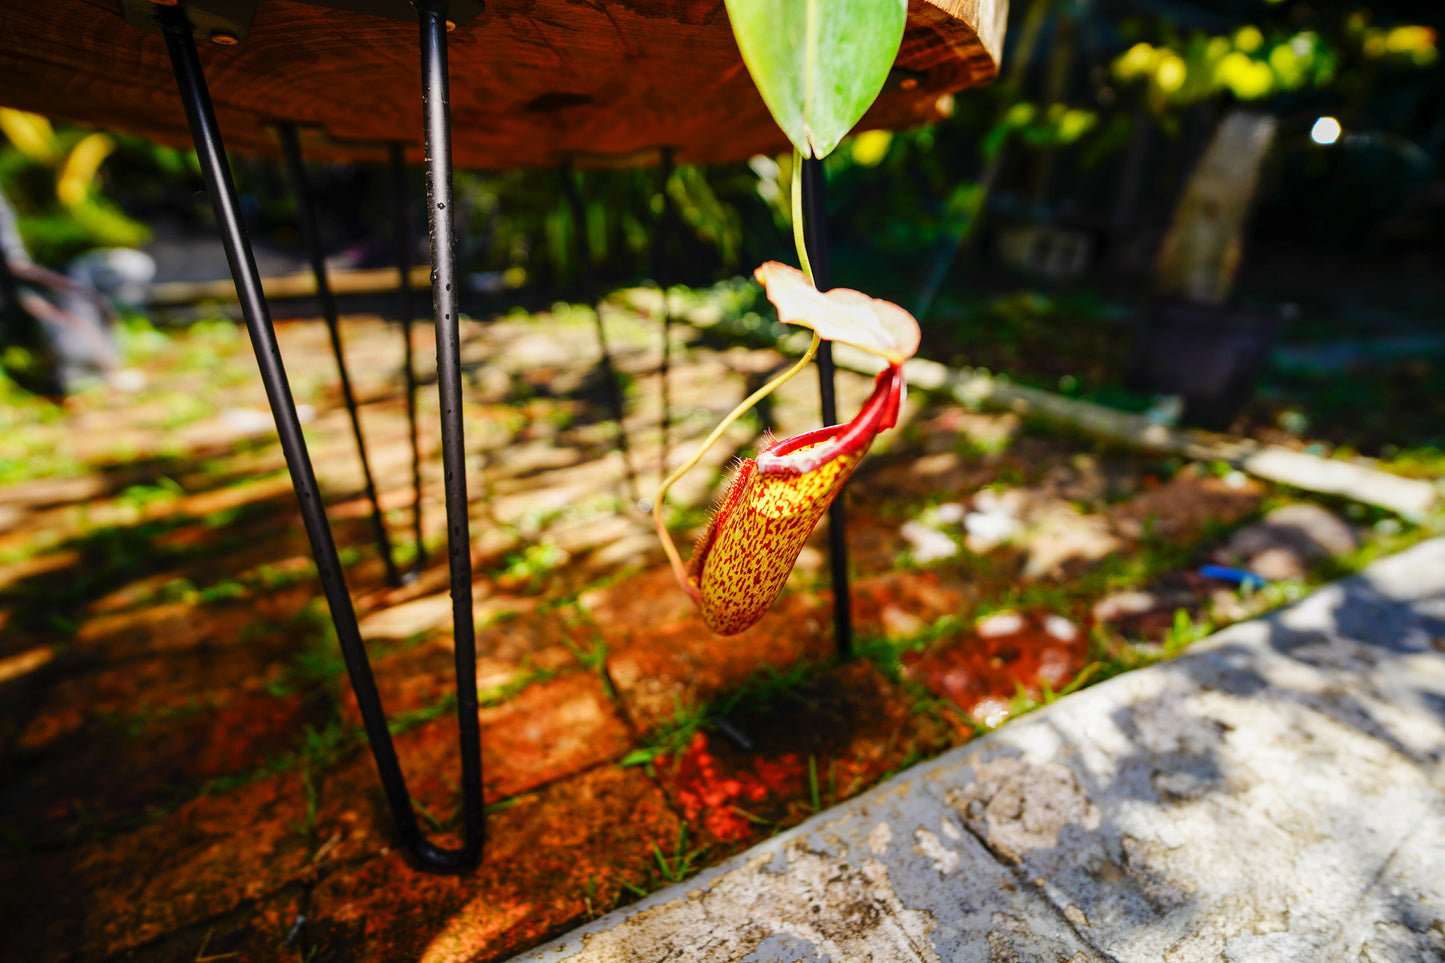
(183,774)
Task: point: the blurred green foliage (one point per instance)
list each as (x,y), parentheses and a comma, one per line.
(1099,113)
(54,179)
(525,224)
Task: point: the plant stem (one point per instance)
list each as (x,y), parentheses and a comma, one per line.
(795,196)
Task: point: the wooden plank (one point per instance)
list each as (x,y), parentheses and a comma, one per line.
(533,81)
(1201,251)
(1410,498)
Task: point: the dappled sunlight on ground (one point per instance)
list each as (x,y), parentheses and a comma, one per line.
(182,768)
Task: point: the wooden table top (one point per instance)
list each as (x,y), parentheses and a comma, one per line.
(533,82)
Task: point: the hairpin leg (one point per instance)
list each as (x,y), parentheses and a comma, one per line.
(661,237)
(211,152)
(435,85)
(401,217)
(311,234)
(815,228)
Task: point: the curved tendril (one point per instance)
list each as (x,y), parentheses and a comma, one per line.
(747,403)
(668,545)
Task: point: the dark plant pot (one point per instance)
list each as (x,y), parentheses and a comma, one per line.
(1210,356)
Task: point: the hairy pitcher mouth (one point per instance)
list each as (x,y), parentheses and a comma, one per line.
(742,560)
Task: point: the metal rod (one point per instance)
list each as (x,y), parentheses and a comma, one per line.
(815,236)
(611,384)
(661,238)
(445,307)
(401,218)
(311,235)
(212,155)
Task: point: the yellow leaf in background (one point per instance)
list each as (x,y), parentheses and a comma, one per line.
(1075,123)
(1248,79)
(870,147)
(31,134)
(1020,114)
(1136,62)
(1248,39)
(1288,65)
(1409,39)
(1415,42)
(1170,72)
(78,175)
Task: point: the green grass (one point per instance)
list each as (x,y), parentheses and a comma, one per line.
(134,723)
(533,563)
(680,864)
(509,690)
(762,689)
(675,868)
(1186,629)
(592,657)
(319,748)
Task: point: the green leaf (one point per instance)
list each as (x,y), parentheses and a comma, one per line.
(819,64)
(639,757)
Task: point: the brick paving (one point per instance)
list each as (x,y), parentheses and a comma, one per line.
(181,771)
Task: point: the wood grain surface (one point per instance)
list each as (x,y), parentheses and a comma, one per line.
(533,82)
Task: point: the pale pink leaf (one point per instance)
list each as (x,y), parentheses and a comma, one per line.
(842,314)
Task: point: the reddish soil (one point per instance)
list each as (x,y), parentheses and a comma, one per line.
(182,772)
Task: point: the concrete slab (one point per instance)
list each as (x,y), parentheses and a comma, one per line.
(1277,793)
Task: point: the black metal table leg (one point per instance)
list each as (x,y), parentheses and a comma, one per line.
(211,153)
(311,234)
(401,218)
(815,228)
(661,237)
(445,307)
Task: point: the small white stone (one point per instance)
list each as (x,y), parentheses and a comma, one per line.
(944,859)
(900,624)
(991,712)
(1061,628)
(992,528)
(879,839)
(1123,604)
(247,421)
(949,513)
(1000,623)
(927,544)
(128,380)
